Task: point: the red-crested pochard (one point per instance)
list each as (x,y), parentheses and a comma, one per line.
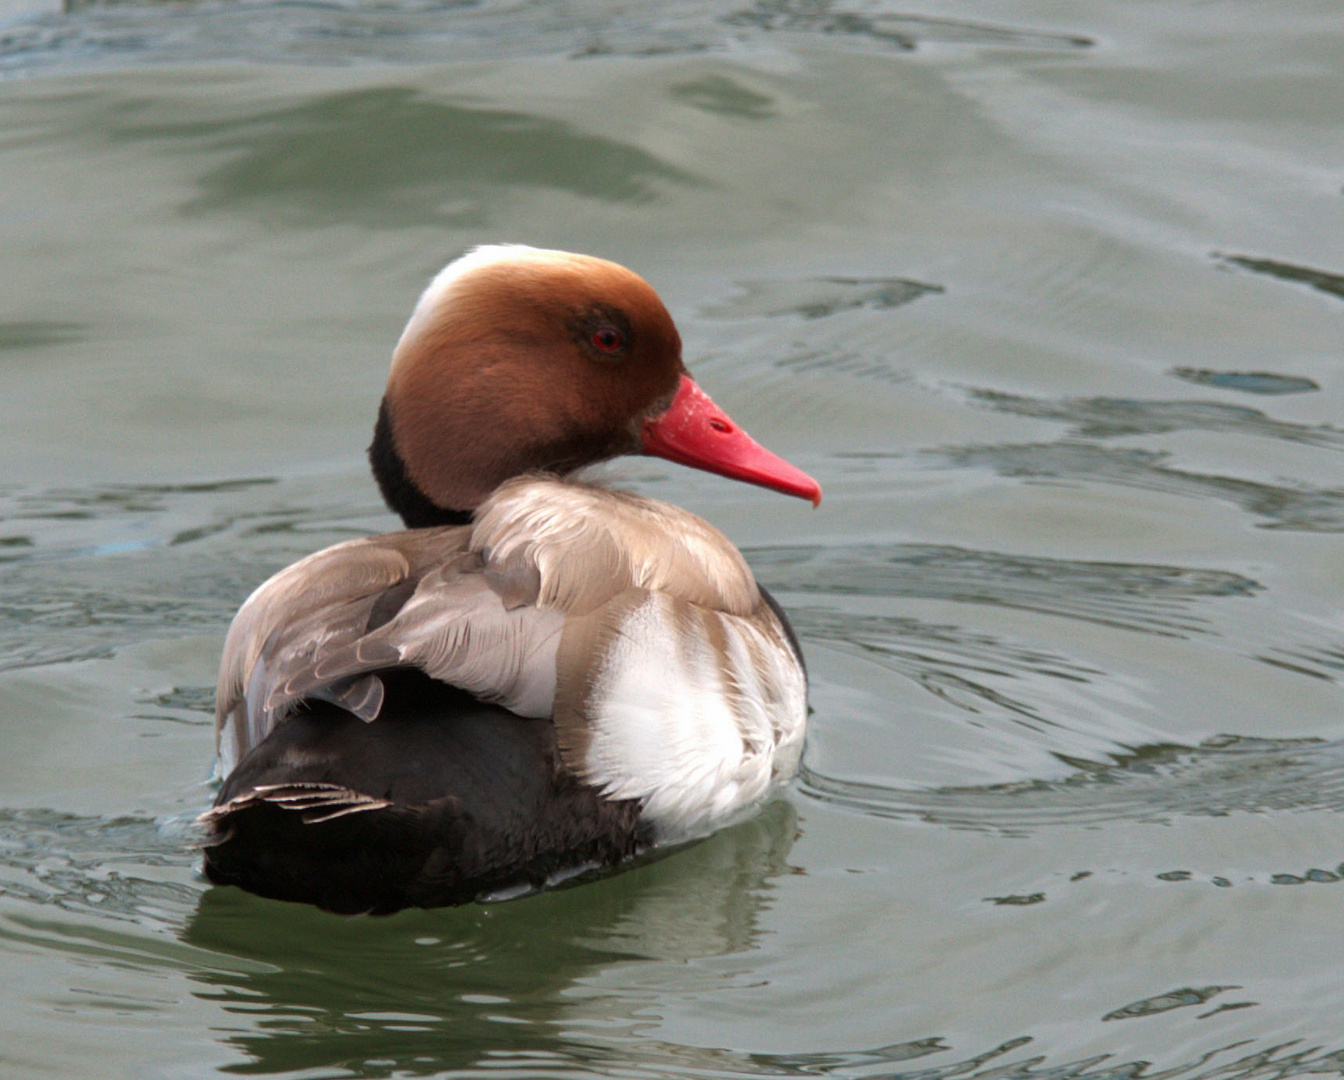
(538,676)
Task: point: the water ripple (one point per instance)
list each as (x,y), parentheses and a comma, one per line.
(1153,784)
(892,29)
(656,1060)
(1297,507)
(94,865)
(38,334)
(89,33)
(1248,382)
(384,156)
(816,298)
(976,673)
(1325,662)
(1109,418)
(1183,998)
(86,571)
(1332,284)
(1132,596)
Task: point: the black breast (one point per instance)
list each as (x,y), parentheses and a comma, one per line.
(440,800)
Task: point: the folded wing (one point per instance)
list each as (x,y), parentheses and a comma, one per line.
(636,627)
(322,627)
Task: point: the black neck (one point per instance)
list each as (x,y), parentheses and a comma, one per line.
(399,490)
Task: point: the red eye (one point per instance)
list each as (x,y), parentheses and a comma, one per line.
(607,340)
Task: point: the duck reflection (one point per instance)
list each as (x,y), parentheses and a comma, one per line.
(423,991)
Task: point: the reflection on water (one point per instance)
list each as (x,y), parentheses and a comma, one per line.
(724,96)
(1183,998)
(518,986)
(1276,1062)
(421,992)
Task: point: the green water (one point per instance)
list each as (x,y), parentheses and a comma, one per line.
(1049,297)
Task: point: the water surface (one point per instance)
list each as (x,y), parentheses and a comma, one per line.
(1049,297)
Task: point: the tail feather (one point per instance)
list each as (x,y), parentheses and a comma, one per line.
(439,801)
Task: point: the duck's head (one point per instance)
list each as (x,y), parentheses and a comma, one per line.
(518,359)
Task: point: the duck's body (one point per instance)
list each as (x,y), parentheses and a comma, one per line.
(428,716)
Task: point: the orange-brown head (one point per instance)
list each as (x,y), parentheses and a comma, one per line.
(518,359)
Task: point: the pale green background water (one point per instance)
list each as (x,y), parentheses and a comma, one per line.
(1049,296)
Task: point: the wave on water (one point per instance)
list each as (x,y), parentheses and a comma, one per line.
(1152,785)
(1109,418)
(1297,507)
(115,868)
(85,571)
(1155,599)
(79,34)
(817,298)
(1325,281)
(1271,1063)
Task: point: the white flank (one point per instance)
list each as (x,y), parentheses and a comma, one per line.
(698,735)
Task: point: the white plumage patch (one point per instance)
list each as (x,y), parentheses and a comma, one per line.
(694,712)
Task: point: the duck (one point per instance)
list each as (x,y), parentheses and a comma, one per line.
(541,676)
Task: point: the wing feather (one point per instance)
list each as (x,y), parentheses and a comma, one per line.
(587,545)
(636,626)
